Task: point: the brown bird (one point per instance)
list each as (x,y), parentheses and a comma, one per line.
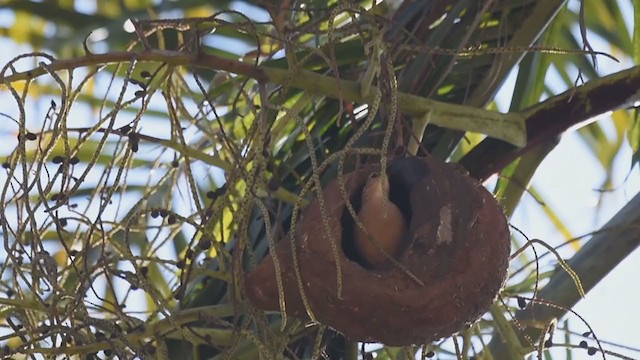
(385,224)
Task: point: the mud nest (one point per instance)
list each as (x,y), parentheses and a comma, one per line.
(454,259)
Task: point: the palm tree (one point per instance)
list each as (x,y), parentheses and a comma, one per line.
(164,149)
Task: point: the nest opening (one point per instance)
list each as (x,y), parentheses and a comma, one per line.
(399,195)
(349,228)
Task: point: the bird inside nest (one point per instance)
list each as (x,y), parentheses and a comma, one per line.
(385,214)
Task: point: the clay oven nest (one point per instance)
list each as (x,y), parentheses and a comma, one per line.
(456,245)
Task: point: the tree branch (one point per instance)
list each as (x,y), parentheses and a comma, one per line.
(508,127)
(555,115)
(603,252)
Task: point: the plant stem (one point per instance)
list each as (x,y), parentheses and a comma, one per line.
(508,127)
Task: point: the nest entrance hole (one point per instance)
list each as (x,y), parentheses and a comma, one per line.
(399,194)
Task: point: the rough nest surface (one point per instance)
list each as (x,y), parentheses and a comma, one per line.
(457,245)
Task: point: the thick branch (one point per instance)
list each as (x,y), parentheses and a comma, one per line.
(508,127)
(554,116)
(603,252)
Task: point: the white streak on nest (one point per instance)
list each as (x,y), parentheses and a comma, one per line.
(444,233)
